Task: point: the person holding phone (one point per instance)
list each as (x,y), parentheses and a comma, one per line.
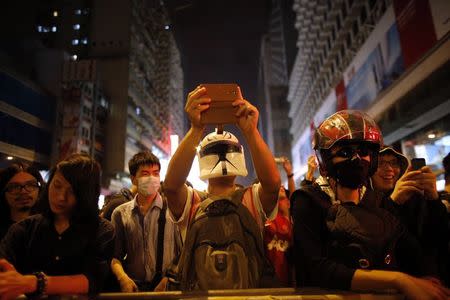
(342,238)
(221,160)
(409,192)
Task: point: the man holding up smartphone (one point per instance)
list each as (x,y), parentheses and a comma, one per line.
(409,192)
(221,160)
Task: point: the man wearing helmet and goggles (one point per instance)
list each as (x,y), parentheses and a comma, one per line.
(342,239)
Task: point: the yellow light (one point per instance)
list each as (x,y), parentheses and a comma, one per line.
(55,13)
(9,158)
(431,136)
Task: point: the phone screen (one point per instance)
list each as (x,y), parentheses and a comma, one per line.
(418,163)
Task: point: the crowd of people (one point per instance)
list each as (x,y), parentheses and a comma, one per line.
(368,222)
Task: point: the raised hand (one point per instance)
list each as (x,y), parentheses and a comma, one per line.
(197,102)
(406,186)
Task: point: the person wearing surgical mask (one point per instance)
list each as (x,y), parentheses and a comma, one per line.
(146,239)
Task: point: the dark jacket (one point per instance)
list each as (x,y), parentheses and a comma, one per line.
(321,256)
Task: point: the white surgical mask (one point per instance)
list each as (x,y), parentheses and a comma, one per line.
(148,185)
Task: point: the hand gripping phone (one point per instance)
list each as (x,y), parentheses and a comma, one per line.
(220,110)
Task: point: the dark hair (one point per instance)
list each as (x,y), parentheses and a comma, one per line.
(6,175)
(83,173)
(446,164)
(142,159)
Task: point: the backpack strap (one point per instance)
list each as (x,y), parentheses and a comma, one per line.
(237,195)
(197,198)
(127,194)
(160,246)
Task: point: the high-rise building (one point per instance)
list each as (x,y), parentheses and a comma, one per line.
(273,78)
(140,70)
(389,58)
(132,63)
(27,98)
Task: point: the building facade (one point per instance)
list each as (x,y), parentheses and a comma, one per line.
(275,64)
(140,71)
(120,91)
(386,57)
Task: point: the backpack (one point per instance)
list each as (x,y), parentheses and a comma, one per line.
(360,236)
(223,247)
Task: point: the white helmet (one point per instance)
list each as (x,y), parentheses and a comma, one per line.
(221,154)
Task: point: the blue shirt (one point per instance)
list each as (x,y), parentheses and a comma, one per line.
(137,239)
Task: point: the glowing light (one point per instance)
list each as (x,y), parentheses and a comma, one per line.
(9,158)
(431,136)
(101,201)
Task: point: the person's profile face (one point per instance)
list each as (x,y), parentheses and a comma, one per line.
(61,196)
(21,192)
(387,174)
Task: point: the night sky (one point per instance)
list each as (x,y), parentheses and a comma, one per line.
(220,40)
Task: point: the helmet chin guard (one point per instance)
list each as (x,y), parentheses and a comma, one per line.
(219,155)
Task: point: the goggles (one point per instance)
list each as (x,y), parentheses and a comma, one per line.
(220,149)
(350,151)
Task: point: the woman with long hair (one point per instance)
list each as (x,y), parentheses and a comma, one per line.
(67,248)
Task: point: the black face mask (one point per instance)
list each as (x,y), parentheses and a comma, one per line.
(351,173)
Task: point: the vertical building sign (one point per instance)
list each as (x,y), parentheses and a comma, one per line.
(341,97)
(416,28)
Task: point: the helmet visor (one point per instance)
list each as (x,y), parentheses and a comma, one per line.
(219,149)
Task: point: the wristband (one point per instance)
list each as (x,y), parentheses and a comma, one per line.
(290,175)
(41,285)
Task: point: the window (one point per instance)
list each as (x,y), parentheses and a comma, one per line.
(355,28)
(363,15)
(78,11)
(55,13)
(76,26)
(349,40)
(75,42)
(344,11)
(85,132)
(87,111)
(54,29)
(350,3)
(84,41)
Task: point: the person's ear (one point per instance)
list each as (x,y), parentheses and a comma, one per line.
(133,180)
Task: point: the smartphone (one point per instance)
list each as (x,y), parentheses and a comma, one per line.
(220,110)
(418,163)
